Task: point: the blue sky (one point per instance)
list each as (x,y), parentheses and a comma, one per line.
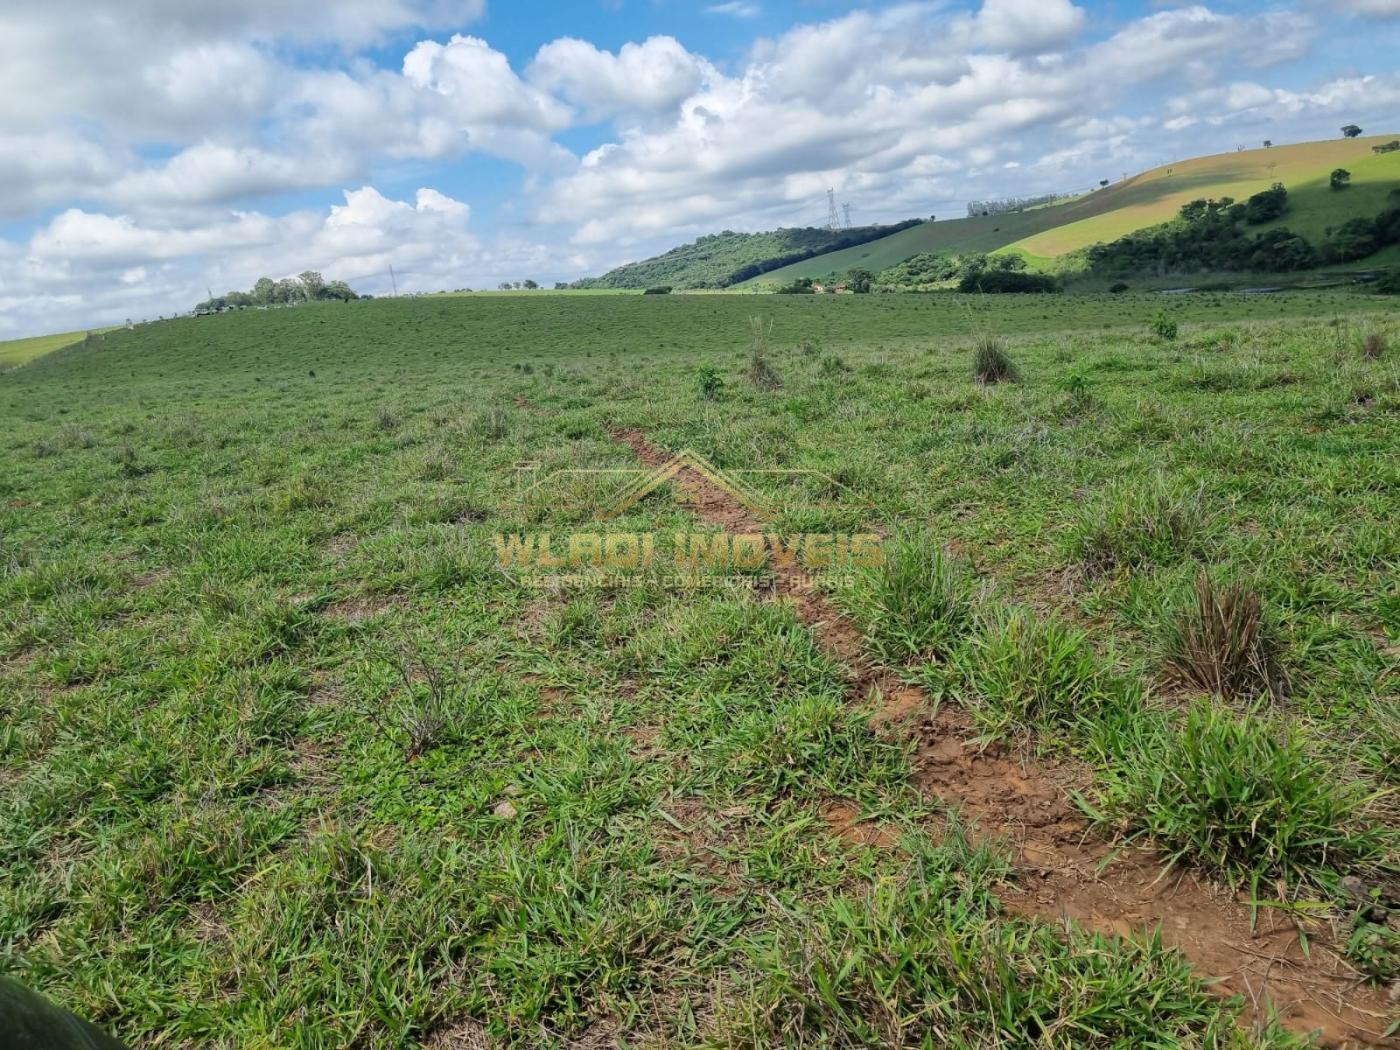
(152,151)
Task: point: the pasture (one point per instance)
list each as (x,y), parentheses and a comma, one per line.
(287,760)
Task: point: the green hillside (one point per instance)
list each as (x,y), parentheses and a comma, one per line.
(17,352)
(1152,197)
(723,259)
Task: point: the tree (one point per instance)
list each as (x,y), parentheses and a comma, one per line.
(1351,131)
(1266,205)
(1268,143)
(1352,240)
(338,290)
(1103,183)
(531,286)
(859,281)
(504,286)
(286,291)
(312,284)
(263,291)
(1341,179)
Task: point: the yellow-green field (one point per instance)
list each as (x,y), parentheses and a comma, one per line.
(1045,234)
(17,352)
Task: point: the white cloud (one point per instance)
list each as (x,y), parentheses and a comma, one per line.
(858,101)
(98,267)
(735,9)
(1368,8)
(1027,26)
(646,78)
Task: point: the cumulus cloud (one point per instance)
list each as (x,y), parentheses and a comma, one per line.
(858,100)
(85,265)
(640,79)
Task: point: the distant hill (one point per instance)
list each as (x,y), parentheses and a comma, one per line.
(1045,235)
(728,258)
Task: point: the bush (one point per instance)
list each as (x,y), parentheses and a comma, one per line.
(1389,284)
(917,604)
(1282,251)
(1221,641)
(1118,287)
(1229,794)
(710,382)
(1373,346)
(1341,179)
(991,363)
(664,289)
(1163,327)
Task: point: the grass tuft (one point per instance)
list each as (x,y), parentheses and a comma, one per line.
(1373,346)
(991,363)
(1223,643)
(1023,673)
(761,372)
(918,603)
(1136,526)
(1232,794)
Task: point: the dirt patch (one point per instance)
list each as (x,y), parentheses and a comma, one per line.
(1067,872)
(845,821)
(358,610)
(151,578)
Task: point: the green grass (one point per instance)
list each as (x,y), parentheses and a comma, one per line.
(17,352)
(286,761)
(1045,234)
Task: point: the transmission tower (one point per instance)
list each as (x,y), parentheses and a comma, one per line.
(833,221)
(847,209)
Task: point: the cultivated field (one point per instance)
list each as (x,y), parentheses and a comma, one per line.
(287,760)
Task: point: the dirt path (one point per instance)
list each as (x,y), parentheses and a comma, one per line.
(1067,872)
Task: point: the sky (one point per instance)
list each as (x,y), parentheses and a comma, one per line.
(155,150)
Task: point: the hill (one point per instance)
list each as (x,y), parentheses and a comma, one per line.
(16,352)
(727,258)
(1049,233)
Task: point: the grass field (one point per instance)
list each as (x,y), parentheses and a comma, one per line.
(1044,234)
(286,760)
(17,352)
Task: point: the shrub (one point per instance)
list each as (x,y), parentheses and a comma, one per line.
(1389,284)
(1341,179)
(1228,793)
(1022,673)
(664,289)
(1373,346)
(1118,287)
(991,363)
(918,603)
(1137,526)
(1164,327)
(710,382)
(1221,641)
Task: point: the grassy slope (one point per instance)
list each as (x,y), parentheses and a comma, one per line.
(225,543)
(21,351)
(1143,200)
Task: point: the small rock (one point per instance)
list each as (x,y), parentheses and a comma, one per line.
(505,811)
(511,791)
(1355,887)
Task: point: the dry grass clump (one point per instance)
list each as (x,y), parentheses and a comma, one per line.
(1223,643)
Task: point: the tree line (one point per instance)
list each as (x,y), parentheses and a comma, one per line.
(308,286)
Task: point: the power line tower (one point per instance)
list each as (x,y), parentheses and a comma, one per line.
(833,221)
(847,209)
